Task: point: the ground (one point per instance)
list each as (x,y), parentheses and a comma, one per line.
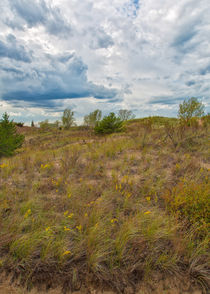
(126,213)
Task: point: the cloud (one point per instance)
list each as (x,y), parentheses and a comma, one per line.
(205,70)
(145,55)
(38,12)
(13,49)
(65,77)
(100,39)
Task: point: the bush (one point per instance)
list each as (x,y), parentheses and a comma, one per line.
(92,119)
(125,114)
(189,109)
(109,124)
(190,200)
(68,119)
(9,139)
(19,124)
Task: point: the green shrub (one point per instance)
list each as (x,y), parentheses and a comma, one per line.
(190,108)
(10,140)
(109,124)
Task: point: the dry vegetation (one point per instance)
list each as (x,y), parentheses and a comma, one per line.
(116,212)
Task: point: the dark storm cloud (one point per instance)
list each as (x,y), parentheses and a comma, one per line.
(66,78)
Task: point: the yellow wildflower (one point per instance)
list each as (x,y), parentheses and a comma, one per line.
(148,198)
(47,229)
(86,214)
(45,166)
(128,195)
(69,195)
(79,228)
(70,215)
(3,165)
(91,203)
(67,252)
(66,229)
(147,212)
(114,220)
(65,213)
(28,212)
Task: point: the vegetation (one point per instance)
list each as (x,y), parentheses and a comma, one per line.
(125,114)
(68,119)
(127,212)
(92,119)
(9,139)
(109,124)
(190,108)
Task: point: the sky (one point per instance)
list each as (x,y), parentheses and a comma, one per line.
(143,55)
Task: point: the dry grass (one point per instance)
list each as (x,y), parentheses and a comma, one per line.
(112,211)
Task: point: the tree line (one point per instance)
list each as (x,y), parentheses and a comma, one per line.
(10,140)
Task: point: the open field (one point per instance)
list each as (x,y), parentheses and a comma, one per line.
(126,213)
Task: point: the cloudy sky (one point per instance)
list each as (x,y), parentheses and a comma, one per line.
(142,55)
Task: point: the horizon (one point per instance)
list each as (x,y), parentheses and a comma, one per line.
(145,56)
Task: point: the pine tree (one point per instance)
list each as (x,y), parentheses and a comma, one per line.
(10,140)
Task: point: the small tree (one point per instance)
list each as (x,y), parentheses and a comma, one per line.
(32,124)
(44,125)
(93,118)
(109,124)
(125,114)
(68,119)
(190,108)
(10,140)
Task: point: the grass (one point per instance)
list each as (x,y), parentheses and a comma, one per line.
(115,210)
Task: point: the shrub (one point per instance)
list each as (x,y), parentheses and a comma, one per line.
(93,118)
(190,108)
(68,119)
(19,124)
(109,124)
(10,140)
(125,114)
(190,200)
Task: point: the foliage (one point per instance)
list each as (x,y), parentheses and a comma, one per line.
(10,140)
(125,114)
(190,108)
(19,124)
(32,123)
(68,119)
(93,118)
(191,200)
(44,125)
(109,124)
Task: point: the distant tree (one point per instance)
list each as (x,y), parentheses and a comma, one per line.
(93,118)
(125,114)
(68,119)
(109,124)
(190,108)
(10,140)
(32,124)
(57,124)
(19,124)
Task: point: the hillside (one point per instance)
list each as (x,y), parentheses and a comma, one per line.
(127,212)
